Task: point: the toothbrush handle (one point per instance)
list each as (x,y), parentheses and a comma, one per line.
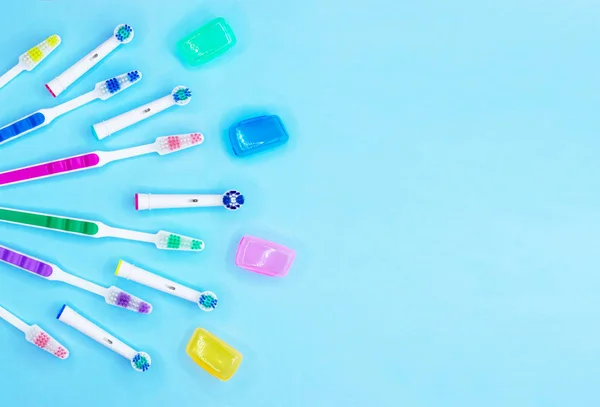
(57,85)
(22,126)
(49,169)
(168,201)
(134,273)
(25,262)
(42,221)
(72,104)
(10,75)
(111,126)
(73,319)
(13,320)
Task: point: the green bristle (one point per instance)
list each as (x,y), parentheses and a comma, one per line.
(174,242)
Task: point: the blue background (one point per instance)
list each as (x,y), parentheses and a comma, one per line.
(438,188)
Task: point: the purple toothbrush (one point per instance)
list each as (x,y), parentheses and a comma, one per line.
(112,295)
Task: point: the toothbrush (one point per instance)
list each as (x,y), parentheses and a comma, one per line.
(122,34)
(207,300)
(232,200)
(97,159)
(162,240)
(140,361)
(43,117)
(180,96)
(36,335)
(113,295)
(31,58)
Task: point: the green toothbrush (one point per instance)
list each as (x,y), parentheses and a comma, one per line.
(162,240)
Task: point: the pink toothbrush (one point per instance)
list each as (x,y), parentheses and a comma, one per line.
(162,146)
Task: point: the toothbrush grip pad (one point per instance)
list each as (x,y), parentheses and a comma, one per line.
(81,227)
(19,127)
(24,262)
(48,169)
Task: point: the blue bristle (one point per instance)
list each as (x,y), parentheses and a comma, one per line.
(240,199)
(113,85)
(123,33)
(182,94)
(133,76)
(206,298)
(141,363)
(226,200)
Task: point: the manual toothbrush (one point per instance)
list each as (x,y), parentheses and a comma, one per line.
(162,146)
(162,240)
(112,295)
(103,90)
(31,58)
(36,335)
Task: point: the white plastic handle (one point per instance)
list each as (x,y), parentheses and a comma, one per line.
(13,320)
(66,79)
(70,317)
(134,273)
(168,201)
(118,123)
(11,74)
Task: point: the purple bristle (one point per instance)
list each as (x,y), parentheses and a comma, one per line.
(144,308)
(123,300)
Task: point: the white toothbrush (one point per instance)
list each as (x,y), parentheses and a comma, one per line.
(207,300)
(180,96)
(162,240)
(122,34)
(103,90)
(232,200)
(113,295)
(31,58)
(162,146)
(36,335)
(140,361)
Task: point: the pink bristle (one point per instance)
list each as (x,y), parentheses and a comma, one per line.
(174,143)
(42,340)
(61,353)
(197,138)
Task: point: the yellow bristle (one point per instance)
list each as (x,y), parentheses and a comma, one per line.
(53,41)
(35,54)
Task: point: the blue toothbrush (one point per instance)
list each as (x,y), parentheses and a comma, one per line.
(103,90)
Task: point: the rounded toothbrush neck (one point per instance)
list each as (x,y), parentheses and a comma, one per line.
(13,320)
(73,104)
(110,156)
(127,234)
(79,282)
(11,74)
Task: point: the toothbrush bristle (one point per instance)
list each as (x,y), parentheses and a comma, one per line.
(141,362)
(233,200)
(35,55)
(115,85)
(122,299)
(42,340)
(124,33)
(172,241)
(208,301)
(182,95)
(170,144)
